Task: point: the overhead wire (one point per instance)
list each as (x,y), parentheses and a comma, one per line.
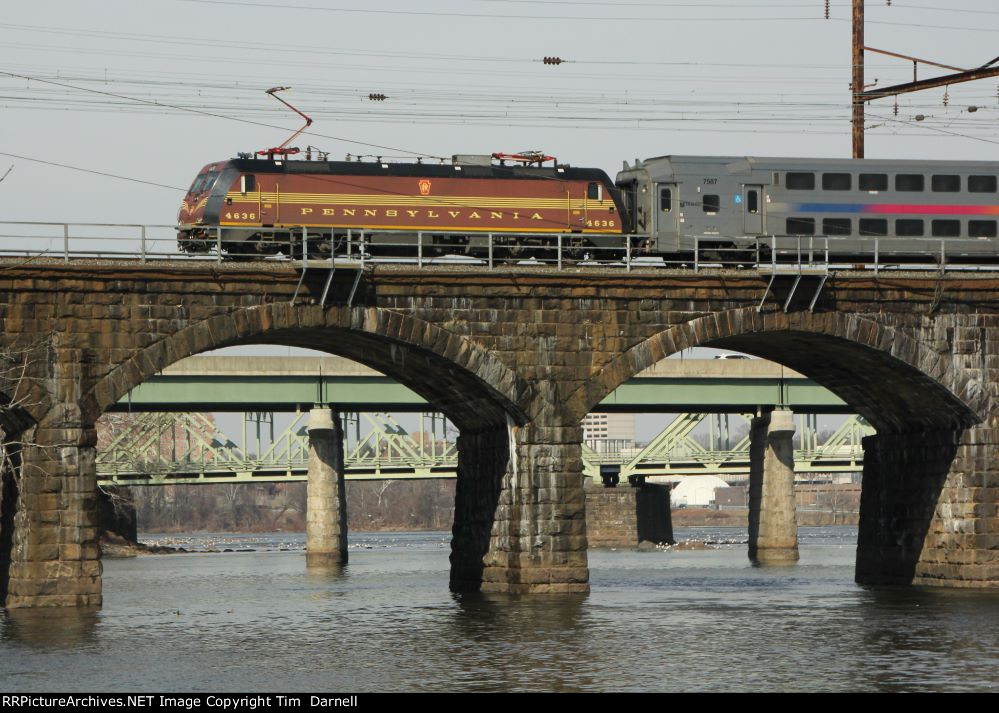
(214,115)
(90,170)
(563,18)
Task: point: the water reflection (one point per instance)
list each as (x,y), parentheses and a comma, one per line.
(511,643)
(661,620)
(56,629)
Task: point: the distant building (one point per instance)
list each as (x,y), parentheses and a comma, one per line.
(609,432)
(696,491)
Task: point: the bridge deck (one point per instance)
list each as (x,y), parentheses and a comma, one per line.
(252,383)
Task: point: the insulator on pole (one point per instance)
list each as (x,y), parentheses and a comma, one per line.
(827,9)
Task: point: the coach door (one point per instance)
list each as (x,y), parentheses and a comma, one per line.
(752,209)
(667,227)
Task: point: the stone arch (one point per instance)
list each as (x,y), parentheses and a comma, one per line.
(474,389)
(471,386)
(893,380)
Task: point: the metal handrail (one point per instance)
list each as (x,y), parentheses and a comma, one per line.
(556,250)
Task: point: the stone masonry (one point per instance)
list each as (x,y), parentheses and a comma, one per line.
(515,357)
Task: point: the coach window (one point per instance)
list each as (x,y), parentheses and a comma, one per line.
(665,199)
(752,202)
(981,184)
(945,183)
(836,181)
(981,229)
(247,184)
(711,203)
(909,182)
(800,181)
(874,181)
(908,227)
(945,228)
(836,226)
(873,226)
(800,226)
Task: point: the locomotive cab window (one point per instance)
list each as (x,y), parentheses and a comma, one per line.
(800,181)
(874,181)
(594,192)
(981,184)
(666,199)
(204,182)
(711,203)
(837,181)
(247,184)
(909,182)
(945,183)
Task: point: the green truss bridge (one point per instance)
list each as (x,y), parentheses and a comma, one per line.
(163,433)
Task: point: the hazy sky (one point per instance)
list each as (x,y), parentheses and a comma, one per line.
(155,89)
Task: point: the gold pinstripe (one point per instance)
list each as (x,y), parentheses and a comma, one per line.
(442,202)
(439,228)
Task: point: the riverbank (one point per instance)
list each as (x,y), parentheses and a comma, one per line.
(739,517)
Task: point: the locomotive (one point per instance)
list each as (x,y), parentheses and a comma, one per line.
(262,206)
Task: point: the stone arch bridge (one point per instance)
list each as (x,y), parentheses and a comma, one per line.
(515,357)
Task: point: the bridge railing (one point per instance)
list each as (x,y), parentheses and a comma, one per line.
(127,241)
(876,253)
(133,241)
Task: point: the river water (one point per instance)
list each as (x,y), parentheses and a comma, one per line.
(654,621)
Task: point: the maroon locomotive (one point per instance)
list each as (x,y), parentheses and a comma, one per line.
(263,205)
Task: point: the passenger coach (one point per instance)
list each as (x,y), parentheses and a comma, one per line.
(675,199)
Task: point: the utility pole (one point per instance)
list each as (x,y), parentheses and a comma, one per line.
(857,87)
(860,95)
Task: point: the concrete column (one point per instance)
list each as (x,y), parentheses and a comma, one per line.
(326,502)
(773,527)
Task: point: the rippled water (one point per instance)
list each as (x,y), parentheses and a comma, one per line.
(654,621)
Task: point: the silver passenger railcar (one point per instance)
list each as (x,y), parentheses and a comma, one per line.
(730,202)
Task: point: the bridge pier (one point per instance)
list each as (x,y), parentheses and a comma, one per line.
(773,526)
(326,501)
(538,542)
(55,553)
(520,524)
(928,509)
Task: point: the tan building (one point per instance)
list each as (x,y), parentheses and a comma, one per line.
(609,432)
